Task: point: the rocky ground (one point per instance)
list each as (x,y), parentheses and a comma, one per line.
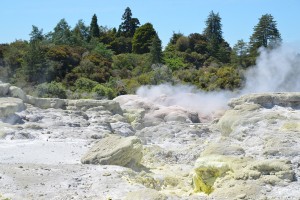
(131,148)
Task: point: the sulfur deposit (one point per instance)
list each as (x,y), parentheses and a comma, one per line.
(134,148)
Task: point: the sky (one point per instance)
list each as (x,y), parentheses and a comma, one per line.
(167,16)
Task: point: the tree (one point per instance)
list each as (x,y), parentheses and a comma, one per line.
(63,59)
(80,33)
(121,45)
(36,34)
(156,50)
(13,56)
(129,24)
(265,34)
(35,67)
(107,36)
(213,32)
(175,37)
(224,52)
(216,45)
(94,28)
(198,43)
(62,33)
(240,53)
(171,46)
(182,43)
(142,38)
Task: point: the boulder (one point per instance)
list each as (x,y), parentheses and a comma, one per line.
(144,113)
(9,106)
(115,150)
(45,103)
(238,116)
(86,104)
(206,172)
(268,100)
(135,117)
(4,88)
(17,93)
(122,129)
(135,102)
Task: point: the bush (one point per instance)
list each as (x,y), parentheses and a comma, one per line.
(136,63)
(161,74)
(51,90)
(102,91)
(103,51)
(131,86)
(85,85)
(175,63)
(182,44)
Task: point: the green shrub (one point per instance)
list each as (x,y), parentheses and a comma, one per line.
(175,63)
(99,90)
(85,85)
(134,63)
(103,51)
(51,90)
(161,74)
(131,85)
(182,43)
(102,91)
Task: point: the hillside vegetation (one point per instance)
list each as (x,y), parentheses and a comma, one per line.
(99,62)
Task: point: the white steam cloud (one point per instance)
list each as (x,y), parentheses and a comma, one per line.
(186,96)
(277,70)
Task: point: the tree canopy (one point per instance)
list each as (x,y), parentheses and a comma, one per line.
(92,61)
(142,38)
(213,29)
(156,50)
(217,47)
(129,24)
(94,28)
(265,33)
(62,33)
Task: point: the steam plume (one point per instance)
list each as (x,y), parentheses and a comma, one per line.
(186,96)
(276,70)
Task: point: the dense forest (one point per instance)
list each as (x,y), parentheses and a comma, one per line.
(99,62)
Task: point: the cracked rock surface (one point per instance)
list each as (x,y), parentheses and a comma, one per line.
(147,150)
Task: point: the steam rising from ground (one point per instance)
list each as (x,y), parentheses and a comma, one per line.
(186,96)
(275,71)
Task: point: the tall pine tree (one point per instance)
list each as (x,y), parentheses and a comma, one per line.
(156,50)
(94,28)
(216,45)
(129,24)
(213,31)
(62,33)
(80,33)
(265,34)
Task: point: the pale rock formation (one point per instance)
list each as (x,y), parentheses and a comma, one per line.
(18,93)
(268,100)
(4,89)
(9,106)
(259,143)
(45,103)
(115,150)
(211,172)
(86,104)
(143,113)
(207,170)
(251,152)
